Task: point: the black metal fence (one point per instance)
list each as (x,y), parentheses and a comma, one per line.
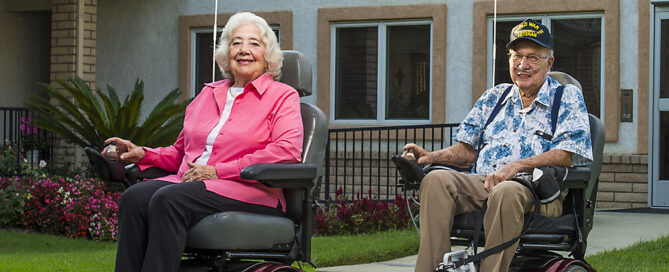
(358,159)
(20,142)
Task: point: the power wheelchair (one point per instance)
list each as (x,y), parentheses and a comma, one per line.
(537,247)
(226,241)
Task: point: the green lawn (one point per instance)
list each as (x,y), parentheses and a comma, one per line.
(20,251)
(652,256)
(30,252)
(339,250)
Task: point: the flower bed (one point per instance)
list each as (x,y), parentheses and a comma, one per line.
(74,207)
(82,208)
(362,215)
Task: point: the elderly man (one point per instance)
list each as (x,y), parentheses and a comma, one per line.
(518,138)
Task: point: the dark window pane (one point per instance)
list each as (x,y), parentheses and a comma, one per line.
(578,48)
(664,93)
(664,60)
(356,73)
(664,145)
(275,29)
(408,72)
(502,63)
(205,51)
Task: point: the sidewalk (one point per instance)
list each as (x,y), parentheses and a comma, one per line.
(612,229)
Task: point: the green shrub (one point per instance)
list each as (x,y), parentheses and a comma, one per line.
(362,215)
(12,201)
(80,118)
(10,165)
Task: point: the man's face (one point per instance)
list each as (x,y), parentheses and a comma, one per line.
(528,64)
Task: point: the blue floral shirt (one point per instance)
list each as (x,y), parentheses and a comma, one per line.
(511,136)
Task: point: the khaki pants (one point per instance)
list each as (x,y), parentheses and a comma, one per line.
(444,194)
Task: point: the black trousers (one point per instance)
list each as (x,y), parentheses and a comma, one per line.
(154,218)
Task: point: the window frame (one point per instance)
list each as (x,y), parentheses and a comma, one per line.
(193,57)
(282,19)
(381,81)
(194,54)
(611,11)
(546,19)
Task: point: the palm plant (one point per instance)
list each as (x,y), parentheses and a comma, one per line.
(80,118)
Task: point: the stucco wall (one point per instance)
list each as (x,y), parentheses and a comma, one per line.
(24,58)
(139,39)
(629,11)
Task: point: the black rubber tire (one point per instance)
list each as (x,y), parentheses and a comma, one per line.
(575,268)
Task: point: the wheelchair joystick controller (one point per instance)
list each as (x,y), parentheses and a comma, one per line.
(111,151)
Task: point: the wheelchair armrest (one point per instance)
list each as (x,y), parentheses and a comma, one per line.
(281,175)
(106,169)
(133,172)
(411,173)
(577,177)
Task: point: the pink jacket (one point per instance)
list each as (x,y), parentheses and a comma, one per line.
(265,126)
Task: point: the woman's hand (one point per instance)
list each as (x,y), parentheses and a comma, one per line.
(416,153)
(199,172)
(126,151)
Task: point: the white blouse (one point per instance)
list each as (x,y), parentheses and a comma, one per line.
(233,92)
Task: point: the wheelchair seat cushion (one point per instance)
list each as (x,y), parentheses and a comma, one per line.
(464,225)
(544,224)
(242,231)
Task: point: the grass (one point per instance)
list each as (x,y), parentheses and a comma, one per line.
(650,256)
(21,251)
(339,250)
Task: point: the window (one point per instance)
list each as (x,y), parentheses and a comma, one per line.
(578,42)
(202,57)
(381,72)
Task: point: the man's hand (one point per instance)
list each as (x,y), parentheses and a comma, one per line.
(505,173)
(199,172)
(126,151)
(416,153)
(552,157)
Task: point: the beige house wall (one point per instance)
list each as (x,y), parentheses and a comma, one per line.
(624,177)
(24,40)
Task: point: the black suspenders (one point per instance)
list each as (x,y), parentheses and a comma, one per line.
(555,108)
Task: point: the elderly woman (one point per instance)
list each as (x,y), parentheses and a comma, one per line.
(245,119)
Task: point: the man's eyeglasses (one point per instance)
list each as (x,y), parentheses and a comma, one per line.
(531,59)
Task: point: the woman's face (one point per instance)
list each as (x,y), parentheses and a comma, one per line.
(247,54)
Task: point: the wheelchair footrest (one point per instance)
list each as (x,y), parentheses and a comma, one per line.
(255,255)
(450,259)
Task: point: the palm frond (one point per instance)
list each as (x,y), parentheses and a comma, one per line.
(87,117)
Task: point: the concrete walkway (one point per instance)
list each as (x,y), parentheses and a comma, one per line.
(612,229)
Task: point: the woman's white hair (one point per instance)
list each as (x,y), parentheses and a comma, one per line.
(273,55)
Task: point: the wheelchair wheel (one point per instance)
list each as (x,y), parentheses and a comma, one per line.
(575,268)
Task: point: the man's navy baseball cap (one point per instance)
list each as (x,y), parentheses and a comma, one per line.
(532,31)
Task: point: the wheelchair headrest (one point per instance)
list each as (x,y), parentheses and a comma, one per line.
(296,72)
(565,79)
